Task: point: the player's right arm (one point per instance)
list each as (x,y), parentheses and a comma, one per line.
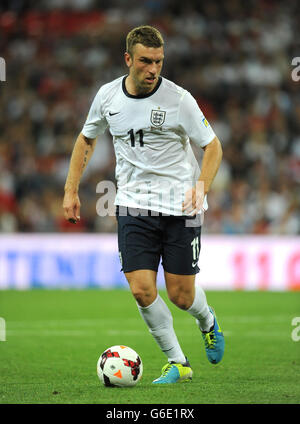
(95,125)
(82,152)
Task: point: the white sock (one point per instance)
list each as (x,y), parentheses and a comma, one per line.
(159,320)
(200,310)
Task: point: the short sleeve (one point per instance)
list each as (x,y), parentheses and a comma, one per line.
(95,123)
(193,122)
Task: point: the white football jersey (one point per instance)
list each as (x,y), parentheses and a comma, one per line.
(155,164)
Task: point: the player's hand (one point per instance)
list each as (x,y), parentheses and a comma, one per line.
(71,207)
(193,201)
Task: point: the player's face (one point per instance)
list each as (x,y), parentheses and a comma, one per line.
(144,67)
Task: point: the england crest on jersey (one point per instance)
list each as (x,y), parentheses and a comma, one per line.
(158,117)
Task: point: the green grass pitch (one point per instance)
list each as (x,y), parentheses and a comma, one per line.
(54,339)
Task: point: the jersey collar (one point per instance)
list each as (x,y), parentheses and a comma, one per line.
(140,96)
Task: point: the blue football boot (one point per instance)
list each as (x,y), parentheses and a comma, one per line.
(175,373)
(214,341)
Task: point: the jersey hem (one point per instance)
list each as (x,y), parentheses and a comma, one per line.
(162,211)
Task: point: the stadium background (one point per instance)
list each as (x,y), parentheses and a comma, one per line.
(233,56)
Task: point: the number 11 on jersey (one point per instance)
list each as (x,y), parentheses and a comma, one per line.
(132,137)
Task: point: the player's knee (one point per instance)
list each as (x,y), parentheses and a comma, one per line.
(181,299)
(143,295)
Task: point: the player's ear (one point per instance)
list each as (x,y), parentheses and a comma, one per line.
(128,59)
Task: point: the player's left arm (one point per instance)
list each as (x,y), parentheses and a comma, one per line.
(210,164)
(193,122)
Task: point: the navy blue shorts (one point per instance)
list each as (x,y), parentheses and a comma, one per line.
(144,240)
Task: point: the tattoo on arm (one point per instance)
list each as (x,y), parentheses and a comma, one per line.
(85,158)
(88,141)
(89,145)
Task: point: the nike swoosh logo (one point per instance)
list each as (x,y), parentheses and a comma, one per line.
(113,113)
(194,264)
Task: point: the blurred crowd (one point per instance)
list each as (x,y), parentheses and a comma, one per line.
(235,57)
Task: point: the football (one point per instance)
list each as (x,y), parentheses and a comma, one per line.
(119,366)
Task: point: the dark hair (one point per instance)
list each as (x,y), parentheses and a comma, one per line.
(146,35)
